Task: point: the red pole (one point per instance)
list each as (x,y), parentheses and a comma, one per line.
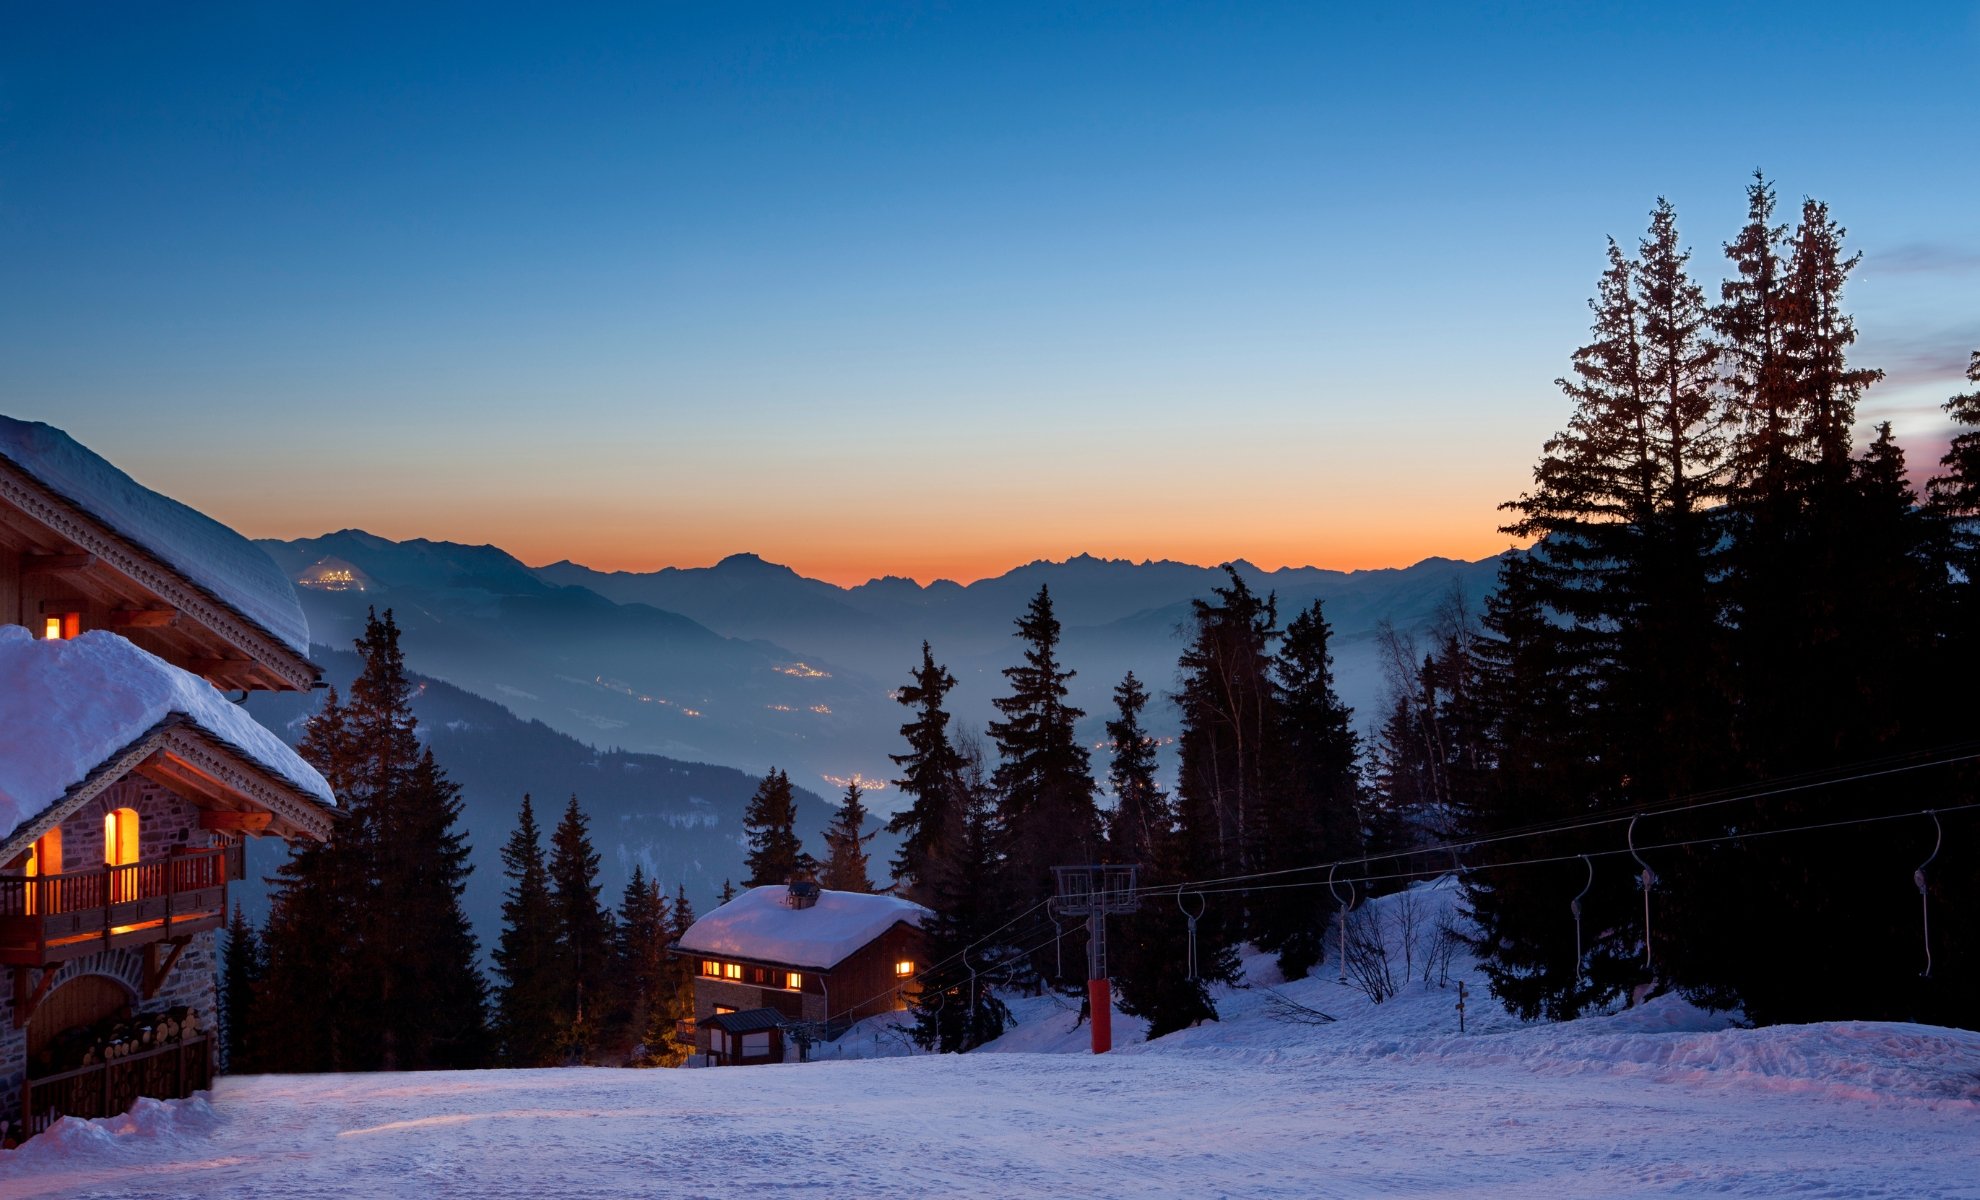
(1100,999)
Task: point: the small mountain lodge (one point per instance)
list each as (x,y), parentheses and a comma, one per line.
(794,960)
(129,779)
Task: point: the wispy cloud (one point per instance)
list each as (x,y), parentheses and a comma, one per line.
(1939,356)
(1923,258)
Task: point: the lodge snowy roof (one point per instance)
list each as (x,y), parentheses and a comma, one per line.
(760,925)
(67,707)
(222,563)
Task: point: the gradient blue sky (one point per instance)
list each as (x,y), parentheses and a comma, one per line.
(920,289)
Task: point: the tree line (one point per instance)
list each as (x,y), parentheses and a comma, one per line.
(1731,619)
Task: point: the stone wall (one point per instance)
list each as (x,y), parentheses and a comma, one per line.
(165,821)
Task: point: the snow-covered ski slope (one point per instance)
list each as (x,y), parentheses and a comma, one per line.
(1387,1101)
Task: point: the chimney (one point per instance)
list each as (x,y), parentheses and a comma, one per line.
(800,895)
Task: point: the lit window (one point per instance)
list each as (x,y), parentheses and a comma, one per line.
(120,849)
(904,968)
(61,626)
(711,968)
(794,981)
(732,970)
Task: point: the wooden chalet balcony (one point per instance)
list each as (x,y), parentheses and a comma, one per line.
(46,919)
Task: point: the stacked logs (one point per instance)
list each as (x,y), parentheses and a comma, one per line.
(119,1037)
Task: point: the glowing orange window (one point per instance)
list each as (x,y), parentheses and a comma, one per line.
(120,849)
(904,968)
(60,626)
(44,858)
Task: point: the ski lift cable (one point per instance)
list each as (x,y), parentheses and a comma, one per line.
(1924,899)
(1332,881)
(1565,858)
(1613,817)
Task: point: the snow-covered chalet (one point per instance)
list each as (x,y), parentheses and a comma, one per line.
(129,777)
(796,957)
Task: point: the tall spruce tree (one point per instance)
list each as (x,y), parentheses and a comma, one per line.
(585,936)
(845,867)
(240,980)
(529,961)
(1229,717)
(930,826)
(1314,816)
(641,966)
(1141,813)
(956,1007)
(776,856)
(1043,778)
(404,993)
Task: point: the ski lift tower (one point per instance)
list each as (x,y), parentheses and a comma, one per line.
(1094,892)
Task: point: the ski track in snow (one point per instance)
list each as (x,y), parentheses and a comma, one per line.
(1389,1101)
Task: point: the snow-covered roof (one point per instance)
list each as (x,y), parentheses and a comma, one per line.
(225,565)
(760,925)
(67,707)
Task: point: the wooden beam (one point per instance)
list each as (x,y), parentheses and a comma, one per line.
(142,618)
(50,564)
(227,821)
(154,971)
(26,1000)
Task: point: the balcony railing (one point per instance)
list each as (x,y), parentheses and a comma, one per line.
(48,918)
(106,1089)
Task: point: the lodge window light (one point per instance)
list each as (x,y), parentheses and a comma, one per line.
(732,971)
(58,627)
(120,849)
(711,968)
(794,981)
(904,968)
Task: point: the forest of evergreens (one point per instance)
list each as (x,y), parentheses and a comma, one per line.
(1699,738)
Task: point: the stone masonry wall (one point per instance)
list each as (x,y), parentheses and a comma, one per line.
(165,821)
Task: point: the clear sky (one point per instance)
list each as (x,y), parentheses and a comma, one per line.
(919,289)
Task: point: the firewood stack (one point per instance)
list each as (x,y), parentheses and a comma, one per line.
(118,1038)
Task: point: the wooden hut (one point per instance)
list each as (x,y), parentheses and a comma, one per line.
(817,960)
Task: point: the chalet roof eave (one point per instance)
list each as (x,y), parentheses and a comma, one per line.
(177,734)
(676,949)
(71,522)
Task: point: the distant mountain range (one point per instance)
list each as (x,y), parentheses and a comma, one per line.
(751,664)
(681,821)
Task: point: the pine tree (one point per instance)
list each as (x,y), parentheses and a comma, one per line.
(368,946)
(931,825)
(529,961)
(776,856)
(727,893)
(240,979)
(642,963)
(1043,778)
(1142,813)
(1623,565)
(584,934)
(956,1008)
(1314,816)
(846,867)
(1229,717)
(674,1002)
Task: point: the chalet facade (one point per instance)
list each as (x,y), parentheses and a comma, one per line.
(128,779)
(788,960)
